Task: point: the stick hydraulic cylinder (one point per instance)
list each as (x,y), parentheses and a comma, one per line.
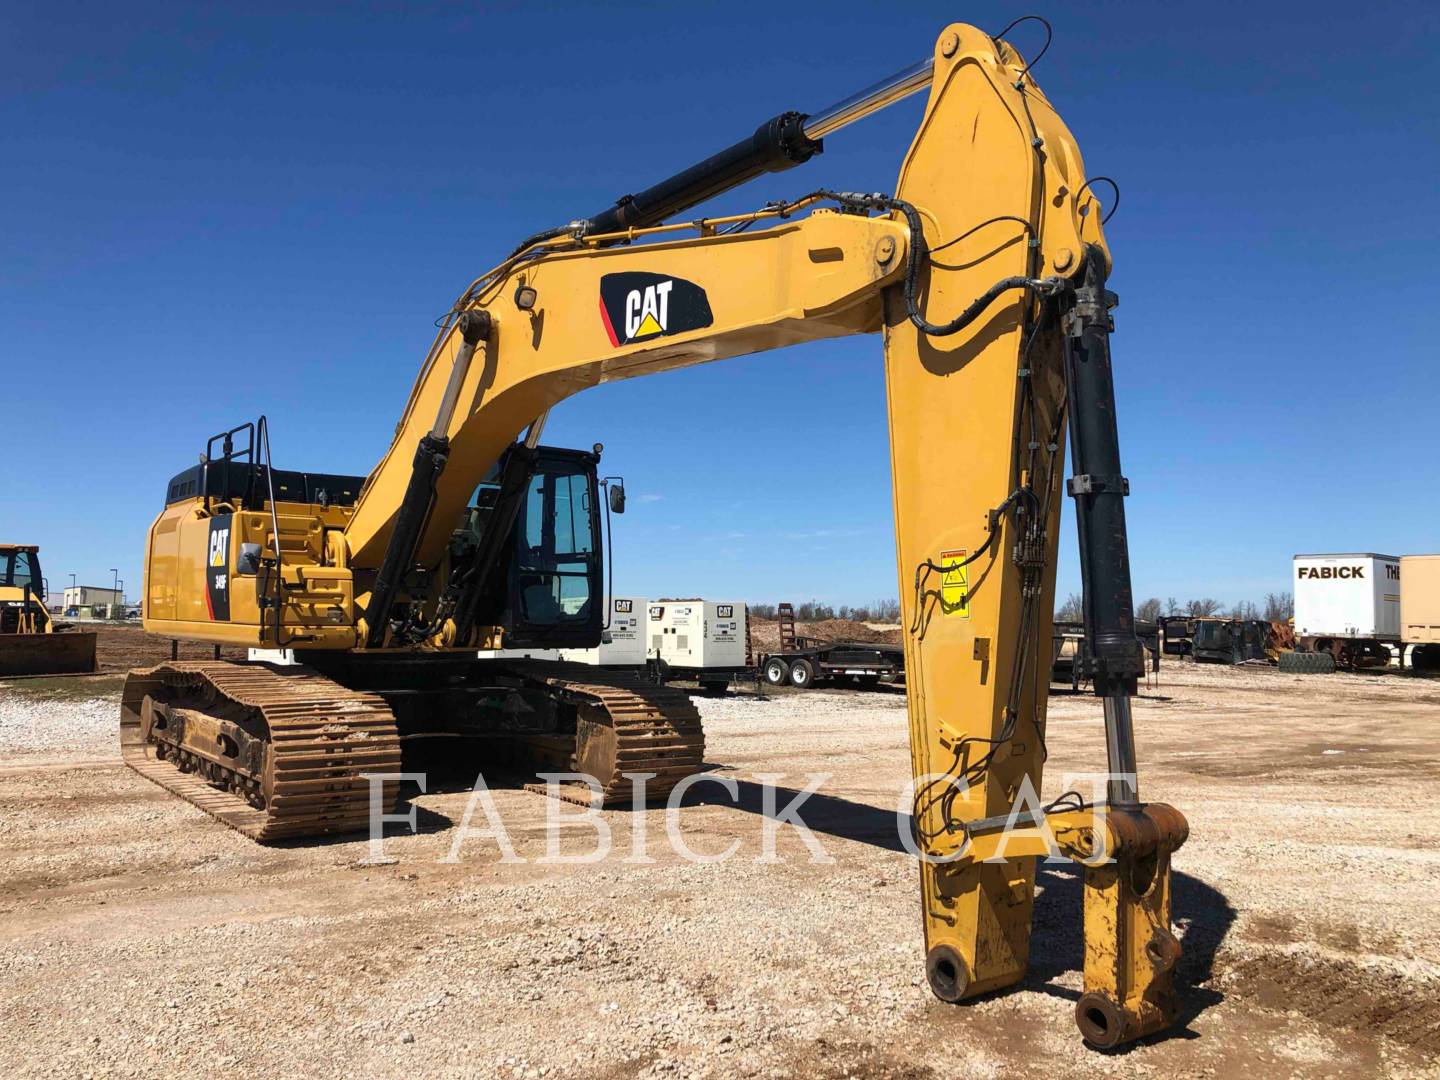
(1115,657)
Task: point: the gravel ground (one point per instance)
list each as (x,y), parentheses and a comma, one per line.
(139,937)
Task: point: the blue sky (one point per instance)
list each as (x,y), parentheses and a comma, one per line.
(208,213)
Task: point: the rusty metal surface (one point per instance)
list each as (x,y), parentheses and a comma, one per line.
(1281,638)
(785,613)
(1139,832)
(320,740)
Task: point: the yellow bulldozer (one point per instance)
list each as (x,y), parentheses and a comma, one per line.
(31,642)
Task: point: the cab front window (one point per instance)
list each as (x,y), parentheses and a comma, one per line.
(18,569)
(557,557)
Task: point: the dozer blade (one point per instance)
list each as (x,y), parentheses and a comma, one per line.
(65,653)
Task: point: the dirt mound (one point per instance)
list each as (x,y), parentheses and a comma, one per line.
(120,648)
(765,633)
(848,630)
(1380,997)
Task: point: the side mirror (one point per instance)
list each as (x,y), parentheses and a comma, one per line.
(617,497)
(249,561)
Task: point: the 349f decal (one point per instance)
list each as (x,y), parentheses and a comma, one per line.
(637,306)
(217,569)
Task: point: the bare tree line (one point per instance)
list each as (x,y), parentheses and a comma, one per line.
(882,611)
(1276,607)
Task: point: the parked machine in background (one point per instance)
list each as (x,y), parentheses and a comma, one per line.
(1149,635)
(1420,610)
(622,642)
(803,662)
(1176,634)
(1068,653)
(699,639)
(1069,656)
(1346,606)
(1228,641)
(1279,638)
(30,641)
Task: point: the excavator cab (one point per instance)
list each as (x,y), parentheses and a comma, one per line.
(525,557)
(555,578)
(22,609)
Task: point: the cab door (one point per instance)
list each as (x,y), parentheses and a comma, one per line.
(555,579)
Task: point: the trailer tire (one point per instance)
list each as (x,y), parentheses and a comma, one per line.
(1425,658)
(1307,663)
(777,671)
(802,674)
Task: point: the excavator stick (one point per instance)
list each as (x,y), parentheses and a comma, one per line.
(994,344)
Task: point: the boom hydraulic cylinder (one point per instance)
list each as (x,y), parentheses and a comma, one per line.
(430,457)
(782,142)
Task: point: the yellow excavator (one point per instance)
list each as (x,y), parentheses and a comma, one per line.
(985,273)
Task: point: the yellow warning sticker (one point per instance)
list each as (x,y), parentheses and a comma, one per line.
(955,584)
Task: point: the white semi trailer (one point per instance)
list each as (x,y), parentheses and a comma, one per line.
(1348,606)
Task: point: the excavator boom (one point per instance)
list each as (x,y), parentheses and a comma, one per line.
(985,273)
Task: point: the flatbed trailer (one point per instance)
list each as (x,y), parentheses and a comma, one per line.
(1070,659)
(802,662)
(860,663)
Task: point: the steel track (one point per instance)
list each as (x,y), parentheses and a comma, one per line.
(322,739)
(626,725)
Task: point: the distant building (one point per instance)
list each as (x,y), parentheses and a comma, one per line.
(92,596)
